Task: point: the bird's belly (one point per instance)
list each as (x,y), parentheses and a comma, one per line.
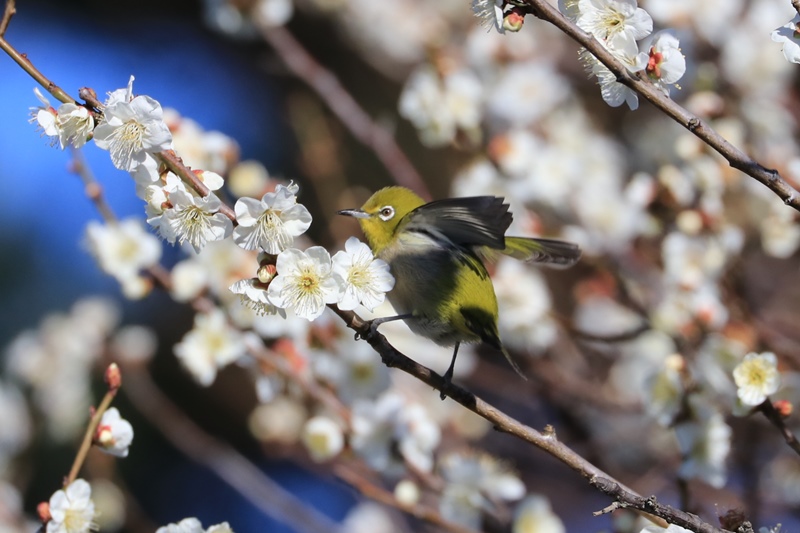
(424,284)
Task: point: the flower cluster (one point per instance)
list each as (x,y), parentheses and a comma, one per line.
(618,25)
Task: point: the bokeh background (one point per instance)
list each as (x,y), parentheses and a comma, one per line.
(215,69)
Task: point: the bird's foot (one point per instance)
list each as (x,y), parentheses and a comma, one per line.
(448,378)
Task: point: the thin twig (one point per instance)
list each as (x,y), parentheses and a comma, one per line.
(735,157)
(227,463)
(88,437)
(772,414)
(9,12)
(344,106)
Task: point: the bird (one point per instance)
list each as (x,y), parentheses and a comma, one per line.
(437,252)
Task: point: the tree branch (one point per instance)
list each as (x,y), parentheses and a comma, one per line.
(345,107)
(772,414)
(735,157)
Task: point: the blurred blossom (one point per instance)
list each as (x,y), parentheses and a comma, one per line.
(210,345)
(781,480)
(323,438)
(14,417)
(473,482)
(355,370)
(534,515)
(442,104)
(368,517)
(269,13)
(757,378)
(641,359)
(189,280)
(704,442)
(780,231)
(690,261)
(715,361)
(248,178)
(134,344)
(600,315)
(407,492)
(187,525)
(666,391)
(72,509)
(281,420)
(711,19)
(389,426)
(199,149)
(122,250)
(524,92)
(524,301)
(109,503)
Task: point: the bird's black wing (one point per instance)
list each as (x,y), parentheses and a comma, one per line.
(465,222)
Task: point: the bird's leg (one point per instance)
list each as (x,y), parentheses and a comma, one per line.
(374,323)
(448,376)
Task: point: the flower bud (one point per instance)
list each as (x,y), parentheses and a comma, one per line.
(513,20)
(113,377)
(784,408)
(43,511)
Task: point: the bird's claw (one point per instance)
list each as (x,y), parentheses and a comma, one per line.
(372,329)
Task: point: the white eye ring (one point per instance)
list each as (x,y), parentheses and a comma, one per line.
(386,212)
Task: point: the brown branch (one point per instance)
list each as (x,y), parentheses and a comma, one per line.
(227,463)
(88,437)
(735,157)
(546,441)
(625,499)
(9,12)
(346,108)
(772,414)
(27,66)
(796,6)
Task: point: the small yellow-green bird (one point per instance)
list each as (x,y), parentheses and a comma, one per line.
(436,251)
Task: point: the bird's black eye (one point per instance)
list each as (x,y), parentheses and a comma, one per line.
(386,212)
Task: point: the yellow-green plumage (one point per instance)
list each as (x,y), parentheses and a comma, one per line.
(436,252)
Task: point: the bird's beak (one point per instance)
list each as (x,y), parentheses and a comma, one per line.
(355,213)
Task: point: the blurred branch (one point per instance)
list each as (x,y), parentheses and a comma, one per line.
(9,12)
(735,157)
(796,6)
(92,189)
(772,414)
(344,106)
(227,463)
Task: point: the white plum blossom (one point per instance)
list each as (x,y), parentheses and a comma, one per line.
(790,38)
(209,346)
(271,13)
(535,515)
(114,434)
(663,62)
(131,129)
(613,92)
(72,509)
(187,525)
(490,13)
(616,23)
(194,219)
(389,426)
(75,125)
(253,293)
(757,377)
(473,481)
(305,282)
(45,116)
(323,438)
(366,279)
(271,223)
